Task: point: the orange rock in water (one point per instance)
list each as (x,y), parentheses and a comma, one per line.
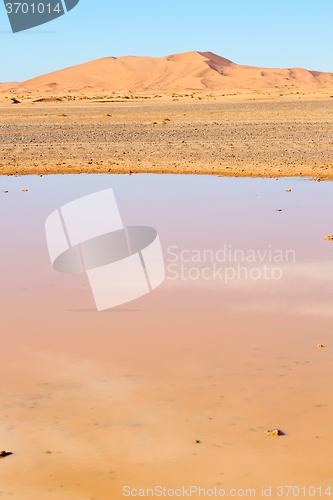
(276,433)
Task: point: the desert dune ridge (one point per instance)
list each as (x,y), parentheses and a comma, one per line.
(185,72)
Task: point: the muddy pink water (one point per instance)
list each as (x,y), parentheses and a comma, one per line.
(106,405)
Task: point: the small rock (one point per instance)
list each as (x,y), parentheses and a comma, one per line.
(329,237)
(4,454)
(320,346)
(24,190)
(276,433)
(48,451)
(278,210)
(5,191)
(288,190)
(15,101)
(196,441)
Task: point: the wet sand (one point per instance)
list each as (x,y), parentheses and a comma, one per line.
(118,397)
(239,134)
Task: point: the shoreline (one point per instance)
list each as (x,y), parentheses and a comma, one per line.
(42,171)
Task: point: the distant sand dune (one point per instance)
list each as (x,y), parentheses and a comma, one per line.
(9,83)
(189,71)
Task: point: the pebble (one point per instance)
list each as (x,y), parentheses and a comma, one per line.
(276,433)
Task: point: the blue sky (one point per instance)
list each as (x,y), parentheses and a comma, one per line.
(285,33)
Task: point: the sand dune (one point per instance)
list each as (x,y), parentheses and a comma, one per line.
(189,71)
(8,83)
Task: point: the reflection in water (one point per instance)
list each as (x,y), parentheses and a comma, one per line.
(113,310)
(91,403)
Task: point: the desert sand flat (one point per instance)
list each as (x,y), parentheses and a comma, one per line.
(264,134)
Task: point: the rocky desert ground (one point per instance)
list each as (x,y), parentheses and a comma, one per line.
(238,134)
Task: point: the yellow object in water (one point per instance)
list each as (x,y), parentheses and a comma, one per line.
(276,433)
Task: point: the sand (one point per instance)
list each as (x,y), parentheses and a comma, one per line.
(195,71)
(245,133)
(178,387)
(191,113)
